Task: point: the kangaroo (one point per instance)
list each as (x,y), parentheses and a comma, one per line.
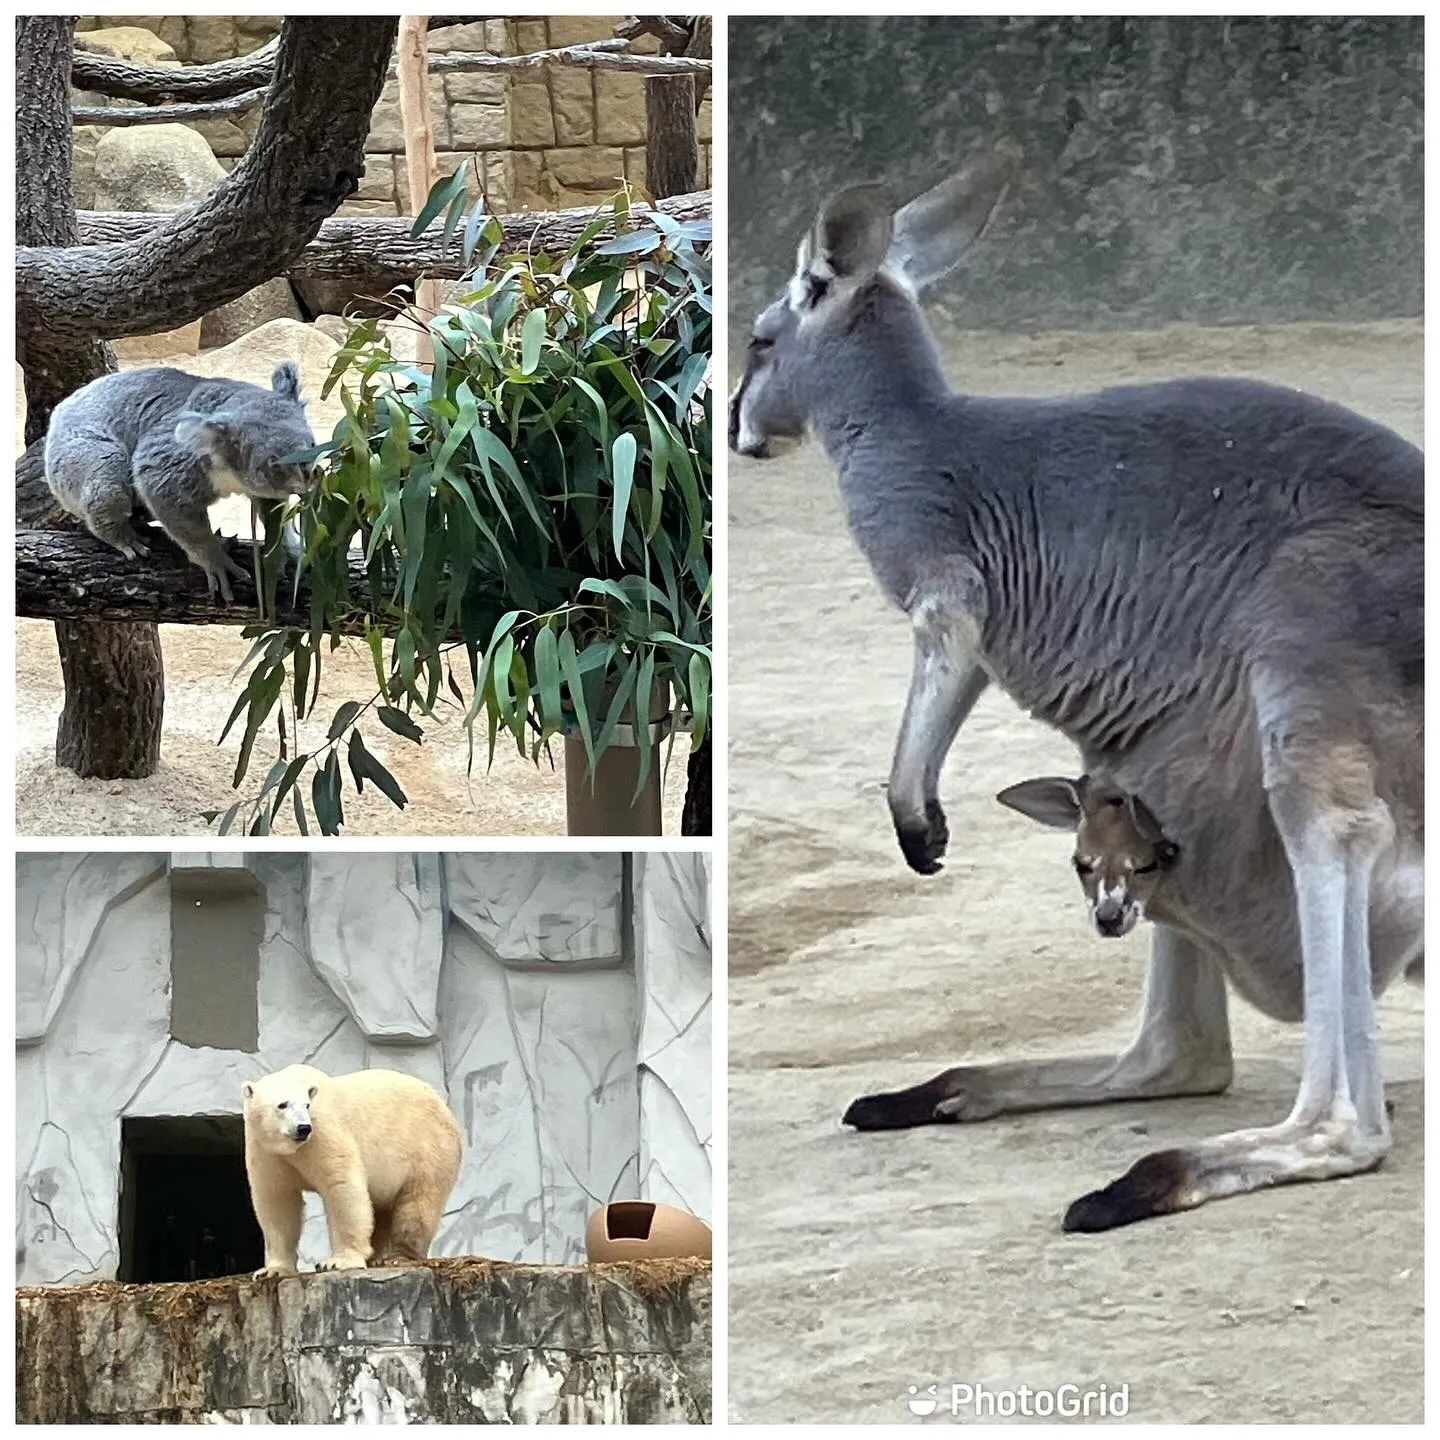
(1121,852)
(1213,587)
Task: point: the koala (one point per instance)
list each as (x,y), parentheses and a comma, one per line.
(175,443)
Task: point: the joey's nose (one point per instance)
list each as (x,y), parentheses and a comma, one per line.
(1110,917)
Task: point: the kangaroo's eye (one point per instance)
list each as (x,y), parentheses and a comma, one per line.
(759,344)
(1146,869)
(1083,867)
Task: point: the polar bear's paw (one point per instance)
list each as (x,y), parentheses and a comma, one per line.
(273,1272)
(344,1261)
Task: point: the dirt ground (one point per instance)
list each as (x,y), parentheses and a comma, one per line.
(862,1265)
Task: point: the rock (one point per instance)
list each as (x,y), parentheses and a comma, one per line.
(211,38)
(531,120)
(254,356)
(128,42)
(593,167)
(479,127)
(463,1342)
(153,168)
(619,108)
(274,300)
(572,94)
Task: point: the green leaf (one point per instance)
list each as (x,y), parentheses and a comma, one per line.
(400,723)
(442,193)
(531,334)
(365,765)
(325,797)
(637,242)
(699,697)
(575,684)
(547,678)
(622,460)
(300,824)
(344,717)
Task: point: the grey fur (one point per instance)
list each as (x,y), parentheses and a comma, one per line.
(175,443)
(1214,588)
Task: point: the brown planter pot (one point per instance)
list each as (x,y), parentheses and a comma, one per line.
(606,804)
(645,1230)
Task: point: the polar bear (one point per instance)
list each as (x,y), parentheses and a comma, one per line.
(380,1148)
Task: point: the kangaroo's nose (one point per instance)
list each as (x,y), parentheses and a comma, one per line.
(302,1132)
(1110,917)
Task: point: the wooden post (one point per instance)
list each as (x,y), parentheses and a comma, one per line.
(412,66)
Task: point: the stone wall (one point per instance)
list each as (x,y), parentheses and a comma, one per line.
(1177,168)
(448,1343)
(561,1003)
(536,140)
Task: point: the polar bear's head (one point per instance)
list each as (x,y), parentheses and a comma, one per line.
(277,1107)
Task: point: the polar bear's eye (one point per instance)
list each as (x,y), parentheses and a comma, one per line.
(282,1104)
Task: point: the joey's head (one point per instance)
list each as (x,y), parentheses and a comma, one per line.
(857,276)
(277,1108)
(251,441)
(1121,852)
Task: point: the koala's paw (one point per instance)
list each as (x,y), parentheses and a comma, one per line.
(273,1272)
(219,578)
(342,1261)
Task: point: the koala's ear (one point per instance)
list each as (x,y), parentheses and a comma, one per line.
(286,380)
(201,434)
(247,1090)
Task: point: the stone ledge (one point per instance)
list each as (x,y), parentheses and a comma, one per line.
(452,1341)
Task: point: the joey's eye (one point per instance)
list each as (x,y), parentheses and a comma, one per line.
(759,344)
(1147,869)
(1083,867)
(1114,801)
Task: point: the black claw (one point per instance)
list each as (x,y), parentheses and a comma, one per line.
(899,1110)
(1154,1185)
(924,845)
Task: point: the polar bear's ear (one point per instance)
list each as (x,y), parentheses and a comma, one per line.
(247,1090)
(313,1089)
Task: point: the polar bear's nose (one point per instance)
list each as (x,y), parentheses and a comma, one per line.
(302,1130)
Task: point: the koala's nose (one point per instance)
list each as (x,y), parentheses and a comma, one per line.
(302,1131)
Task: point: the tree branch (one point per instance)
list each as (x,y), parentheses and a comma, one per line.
(380,252)
(118,115)
(305,160)
(62,575)
(159,84)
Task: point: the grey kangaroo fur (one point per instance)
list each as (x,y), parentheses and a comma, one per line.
(175,443)
(1213,587)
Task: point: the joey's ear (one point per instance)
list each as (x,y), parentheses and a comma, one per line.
(286,380)
(1050,800)
(247,1090)
(201,434)
(848,243)
(935,229)
(1145,822)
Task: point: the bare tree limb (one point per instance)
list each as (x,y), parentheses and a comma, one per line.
(381,253)
(597,55)
(305,160)
(120,115)
(160,84)
(61,575)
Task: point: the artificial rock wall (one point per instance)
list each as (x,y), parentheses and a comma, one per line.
(560,1002)
(541,139)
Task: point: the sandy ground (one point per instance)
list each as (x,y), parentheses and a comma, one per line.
(513,798)
(862,1265)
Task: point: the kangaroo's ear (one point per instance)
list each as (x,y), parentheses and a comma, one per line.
(1145,821)
(201,434)
(935,229)
(1050,800)
(847,244)
(286,380)
(247,1090)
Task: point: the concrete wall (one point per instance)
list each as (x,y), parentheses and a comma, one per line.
(1208,170)
(539,139)
(561,1003)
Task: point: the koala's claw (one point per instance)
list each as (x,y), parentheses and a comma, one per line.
(923,845)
